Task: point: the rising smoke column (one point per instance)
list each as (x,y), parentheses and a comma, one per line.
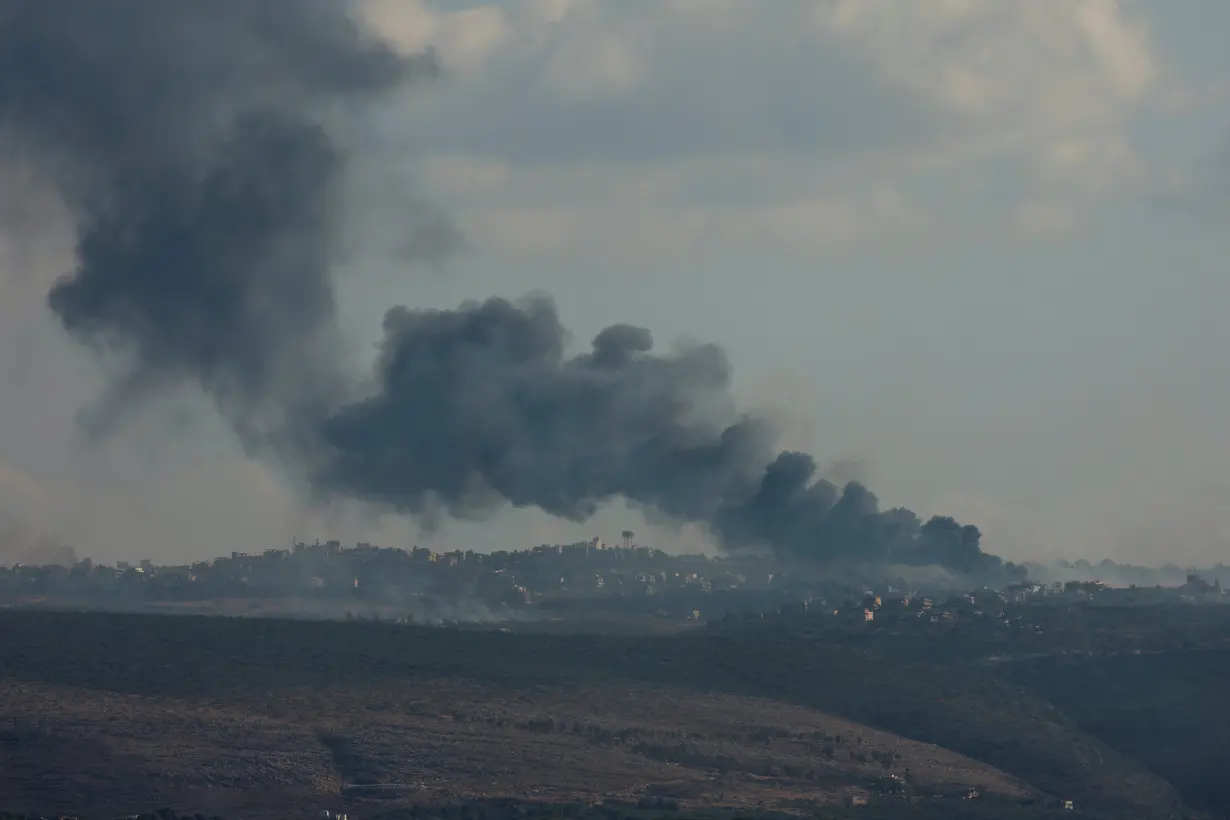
(189,141)
(196,143)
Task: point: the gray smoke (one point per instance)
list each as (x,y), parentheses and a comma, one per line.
(480,407)
(21,545)
(189,141)
(197,145)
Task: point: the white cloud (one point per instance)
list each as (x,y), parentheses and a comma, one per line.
(1052,85)
(1059,64)
(607,112)
(668,213)
(586,58)
(469,37)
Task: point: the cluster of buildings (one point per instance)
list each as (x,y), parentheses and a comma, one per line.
(586,578)
(1076,616)
(547,576)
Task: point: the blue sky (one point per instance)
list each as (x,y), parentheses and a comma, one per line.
(974,251)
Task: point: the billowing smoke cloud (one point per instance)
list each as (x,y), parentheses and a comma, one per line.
(189,142)
(480,406)
(197,145)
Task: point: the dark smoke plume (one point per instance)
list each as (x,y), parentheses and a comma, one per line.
(196,143)
(188,139)
(478,407)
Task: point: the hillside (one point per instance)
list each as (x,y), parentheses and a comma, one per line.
(231,660)
(451,740)
(1165,709)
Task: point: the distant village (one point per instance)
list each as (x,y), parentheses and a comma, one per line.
(587,579)
(1028,607)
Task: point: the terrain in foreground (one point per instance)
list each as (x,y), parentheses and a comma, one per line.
(103,714)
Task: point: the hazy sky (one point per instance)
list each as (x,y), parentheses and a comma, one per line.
(974,250)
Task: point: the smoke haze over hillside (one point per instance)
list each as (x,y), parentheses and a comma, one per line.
(200,150)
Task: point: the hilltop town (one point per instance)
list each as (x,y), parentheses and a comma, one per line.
(619,583)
